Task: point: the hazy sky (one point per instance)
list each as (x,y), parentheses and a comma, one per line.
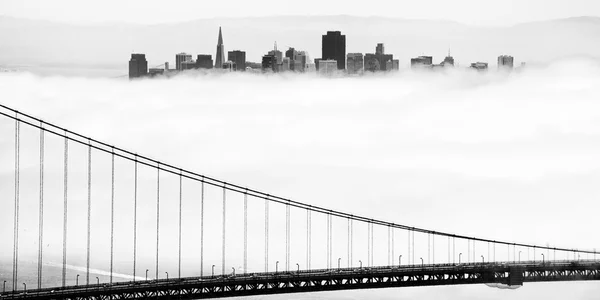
(486,12)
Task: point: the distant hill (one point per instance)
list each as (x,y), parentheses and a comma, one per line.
(32,42)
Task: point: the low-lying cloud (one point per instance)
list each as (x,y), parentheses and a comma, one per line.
(417,148)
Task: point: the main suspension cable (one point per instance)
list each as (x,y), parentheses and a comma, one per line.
(198,177)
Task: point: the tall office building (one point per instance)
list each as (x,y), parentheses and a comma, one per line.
(328,67)
(301,61)
(239,58)
(180,59)
(505,62)
(138,66)
(220,56)
(372,63)
(286,64)
(379,50)
(448,61)
(204,61)
(379,61)
(334,48)
(278,54)
(354,63)
(188,65)
(269,63)
(421,61)
(230,66)
(292,54)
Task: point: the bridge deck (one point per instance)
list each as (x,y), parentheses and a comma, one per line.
(508,273)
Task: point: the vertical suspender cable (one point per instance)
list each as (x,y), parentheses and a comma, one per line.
(449,260)
(468,250)
(202,229)
(157,215)
(112,215)
(413,247)
(65,191)
(454,249)
(287,236)
(245,232)
(372,246)
(392,262)
(41,206)
(348,254)
(309,239)
(180,208)
(389,244)
(428,248)
(267,234)
(135,188)
(89,213)
(409,252)
(330,240)
(351,244)
(433,247)
(328,245)
(16,209)
(224,232)
(369,244)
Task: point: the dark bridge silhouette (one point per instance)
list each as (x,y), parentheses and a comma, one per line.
(477,263)
(508,274)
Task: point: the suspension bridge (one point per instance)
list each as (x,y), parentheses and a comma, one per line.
(136,218)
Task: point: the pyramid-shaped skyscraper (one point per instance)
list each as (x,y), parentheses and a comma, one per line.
(220,56)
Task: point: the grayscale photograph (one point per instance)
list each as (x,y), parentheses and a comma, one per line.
(305,150)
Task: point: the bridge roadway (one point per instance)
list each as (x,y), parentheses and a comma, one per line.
(505,273)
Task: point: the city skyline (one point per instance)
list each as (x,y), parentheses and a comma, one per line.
(333,53)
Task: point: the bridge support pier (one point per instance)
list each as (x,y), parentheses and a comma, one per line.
(515,276)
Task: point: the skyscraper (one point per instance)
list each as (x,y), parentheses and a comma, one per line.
(505,62)
(448,61)
(204,61)
(328,67)
(180,59)
(239,57)
(220,56)
(301,61)
(421,62)
(138,66)
(379,50)
(334,48)
(379,61)
(355,63)
(269,63)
